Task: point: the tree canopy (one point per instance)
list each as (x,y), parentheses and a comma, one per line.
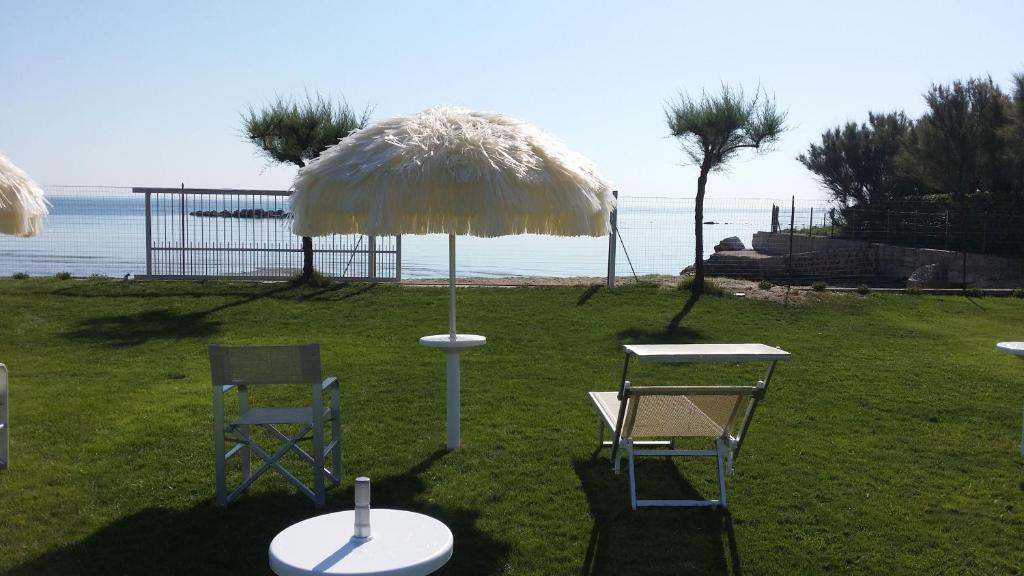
(964,155)
(293,132)
(857,163)
(715,127)
(959,147)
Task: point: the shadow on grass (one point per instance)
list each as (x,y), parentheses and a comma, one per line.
(205,539)
(244,291)
(673,324)
(134,329)
(331,293)
(673,333)
(652,540)
(588,294)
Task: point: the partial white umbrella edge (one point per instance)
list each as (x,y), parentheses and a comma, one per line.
(22,205)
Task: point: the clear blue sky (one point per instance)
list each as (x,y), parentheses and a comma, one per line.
(149,94)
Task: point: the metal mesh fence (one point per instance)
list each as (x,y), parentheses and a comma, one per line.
(246,233)
(91,230)
(95,230)
(804,242)
(102,230)
(657,236)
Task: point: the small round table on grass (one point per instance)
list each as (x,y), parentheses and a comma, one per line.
(1017,349)
(402,544)
(453,344)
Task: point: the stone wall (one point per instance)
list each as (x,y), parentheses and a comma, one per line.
(818,257)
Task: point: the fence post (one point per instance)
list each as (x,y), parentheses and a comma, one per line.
(832,223)
(811,229)
(371,257)
(945,241)
(611,240)
(984,231)
(963,244)
(398,258)
(792,225)
(183,237)
(149,236)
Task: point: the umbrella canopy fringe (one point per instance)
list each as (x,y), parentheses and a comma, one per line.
(22,206)
(451,170)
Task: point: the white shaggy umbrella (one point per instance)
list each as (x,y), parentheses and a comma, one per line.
(22,207)
(453,171)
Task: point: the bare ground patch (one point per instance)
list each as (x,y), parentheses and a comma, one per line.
(732,286)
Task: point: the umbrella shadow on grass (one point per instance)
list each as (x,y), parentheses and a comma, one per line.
(206,539)
(652,540)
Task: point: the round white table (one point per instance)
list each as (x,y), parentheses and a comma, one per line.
(1017,349)
(401,543)
(452,348)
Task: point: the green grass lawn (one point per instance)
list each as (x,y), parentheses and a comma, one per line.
(888,445)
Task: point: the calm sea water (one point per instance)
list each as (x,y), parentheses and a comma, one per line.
(87,235)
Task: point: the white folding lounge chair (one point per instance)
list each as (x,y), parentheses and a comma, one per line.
(5,427)
(645,419)
(240,367)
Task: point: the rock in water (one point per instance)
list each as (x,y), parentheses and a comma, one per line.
(730,244)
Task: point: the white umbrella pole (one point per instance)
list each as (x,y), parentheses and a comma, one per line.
(453,393)
(451,286)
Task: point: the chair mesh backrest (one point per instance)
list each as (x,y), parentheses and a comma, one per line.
(656,415)
(244,365)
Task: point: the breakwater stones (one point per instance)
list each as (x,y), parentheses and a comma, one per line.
(244,213)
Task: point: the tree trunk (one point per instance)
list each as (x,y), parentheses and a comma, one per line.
(307,243)
(698,232)
(307,258)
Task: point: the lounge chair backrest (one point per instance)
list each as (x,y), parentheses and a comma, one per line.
(665,411)
(245,365)
(689,411)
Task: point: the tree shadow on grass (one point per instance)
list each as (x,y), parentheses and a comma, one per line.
(673,324)
(135,329)
(244,291)
(673,333)
(126,330)
(588,294)
(205,539)
(653,540)
(336,292)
